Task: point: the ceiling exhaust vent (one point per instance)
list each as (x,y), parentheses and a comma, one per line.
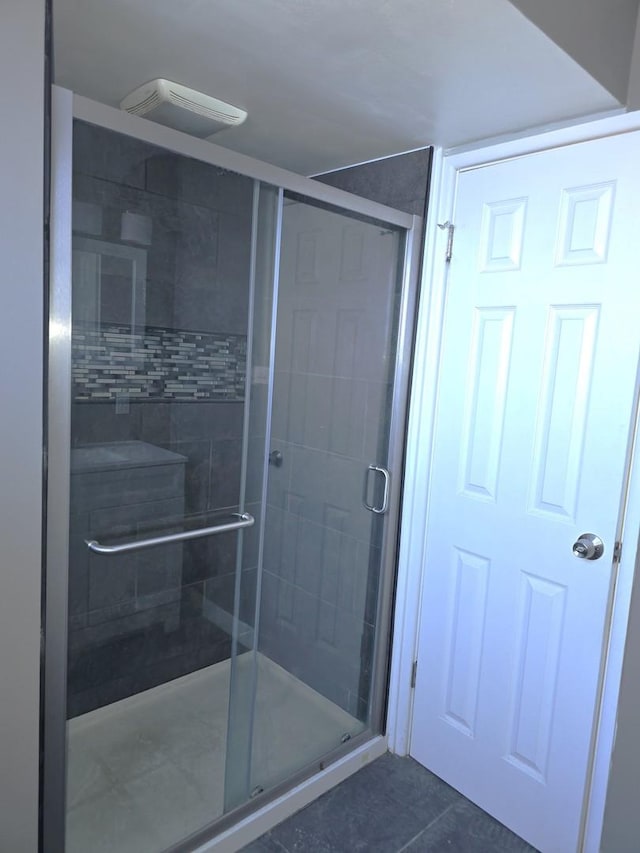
(182,108)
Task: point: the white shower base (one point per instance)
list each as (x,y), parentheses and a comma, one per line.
(145,772)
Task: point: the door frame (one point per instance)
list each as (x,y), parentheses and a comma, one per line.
(446,167)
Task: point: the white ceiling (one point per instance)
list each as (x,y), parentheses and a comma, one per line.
(329,83)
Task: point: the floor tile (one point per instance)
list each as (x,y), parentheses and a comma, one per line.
(206,694)
(108,823)
(127,749)
(381,808)
(393,805)
(464,828)
(294,725)
(168,799)
(265,844)
(160,755)
(408,783)
(87,777)
(206,772)
(184,735)
(144,774)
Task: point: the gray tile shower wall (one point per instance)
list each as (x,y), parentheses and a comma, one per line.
(160,303)
(401,181)
(198,220)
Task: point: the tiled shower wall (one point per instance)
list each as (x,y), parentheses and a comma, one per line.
(180,387)
(401,181)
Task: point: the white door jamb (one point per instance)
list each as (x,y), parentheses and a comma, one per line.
(418,452)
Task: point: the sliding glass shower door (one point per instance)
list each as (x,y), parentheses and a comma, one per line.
(326,494)
(164,287)
(236,413)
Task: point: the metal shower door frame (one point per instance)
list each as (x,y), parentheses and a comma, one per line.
(65,107)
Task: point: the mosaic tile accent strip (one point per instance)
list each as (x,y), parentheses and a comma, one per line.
(154,363)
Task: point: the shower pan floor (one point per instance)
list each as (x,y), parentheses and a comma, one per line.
(146,772)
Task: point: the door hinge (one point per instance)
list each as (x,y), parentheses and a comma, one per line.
(414,672)
(449,226)
(617,552)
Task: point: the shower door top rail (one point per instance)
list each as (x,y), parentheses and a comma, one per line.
(245,519)
(168,138)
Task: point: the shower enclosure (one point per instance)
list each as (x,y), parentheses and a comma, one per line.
(228,378)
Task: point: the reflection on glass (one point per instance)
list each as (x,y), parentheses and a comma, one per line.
(161,283)
(204,672)
(334,361)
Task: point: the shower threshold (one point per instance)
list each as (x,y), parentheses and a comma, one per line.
(148,771)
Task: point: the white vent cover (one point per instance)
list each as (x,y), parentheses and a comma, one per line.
(184,109)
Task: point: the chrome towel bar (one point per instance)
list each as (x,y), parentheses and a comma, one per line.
(245,519)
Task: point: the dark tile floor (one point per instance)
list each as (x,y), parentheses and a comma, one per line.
(391,806)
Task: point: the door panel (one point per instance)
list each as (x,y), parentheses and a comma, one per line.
(537,384)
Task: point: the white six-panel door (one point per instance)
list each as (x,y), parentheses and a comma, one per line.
(535,400)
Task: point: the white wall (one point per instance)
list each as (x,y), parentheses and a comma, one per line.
(596,33)
(21,308)
(621,830)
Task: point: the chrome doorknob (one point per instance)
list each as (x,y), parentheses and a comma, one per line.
(589,547)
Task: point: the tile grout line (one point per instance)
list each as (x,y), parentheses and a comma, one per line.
(425,828)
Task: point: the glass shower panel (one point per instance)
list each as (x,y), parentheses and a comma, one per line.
(162,284)
(260,373)
(338,303)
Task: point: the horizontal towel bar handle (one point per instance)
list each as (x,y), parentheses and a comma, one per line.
(245,519)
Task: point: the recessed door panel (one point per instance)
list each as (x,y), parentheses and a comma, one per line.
(536,397)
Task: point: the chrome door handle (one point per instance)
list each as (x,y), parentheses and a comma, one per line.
(379,510)
(588,547)
(276,459)
(245,519)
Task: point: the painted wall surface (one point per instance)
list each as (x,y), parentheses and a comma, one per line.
(596,33)
(621,830)
(21,298)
